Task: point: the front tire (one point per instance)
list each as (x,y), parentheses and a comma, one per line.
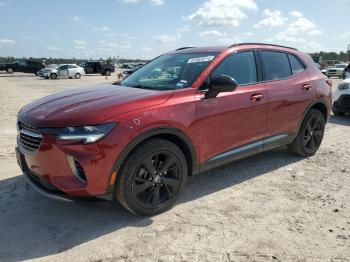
(152,177)
(77,75)
(53,76)
(10,70)
(108,73)
(310,134)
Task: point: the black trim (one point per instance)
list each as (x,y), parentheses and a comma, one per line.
(247,150)
(185,47)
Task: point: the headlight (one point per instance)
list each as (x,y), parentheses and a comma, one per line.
(87,134)
(343,86)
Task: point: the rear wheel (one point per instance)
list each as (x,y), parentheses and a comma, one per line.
(10,70)
(108,73)
(53,76)
(310,134)
(152,177)
(77,75)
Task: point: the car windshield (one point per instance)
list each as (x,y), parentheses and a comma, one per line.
(340,66)
(170,71)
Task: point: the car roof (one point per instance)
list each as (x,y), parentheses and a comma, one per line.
(219,49)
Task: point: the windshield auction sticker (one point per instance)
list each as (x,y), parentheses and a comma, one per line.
(200,59)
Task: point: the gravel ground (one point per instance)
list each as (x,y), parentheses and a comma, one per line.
(269,207)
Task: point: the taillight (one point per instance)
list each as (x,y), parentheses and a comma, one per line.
(329,83)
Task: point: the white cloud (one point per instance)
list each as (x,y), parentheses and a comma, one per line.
(154,2)
(296,14)
(75,19)
(222,12)
(273,19)
(146,49)
(53,48)
(315,32)
(102,29)
(312,47)
(296,30)
(7,41)
(212,34)
(157,2)
(79,44)
(165,39)
(182,30)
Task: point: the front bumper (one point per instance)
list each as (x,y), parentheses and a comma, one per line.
(342,104)
(45,188)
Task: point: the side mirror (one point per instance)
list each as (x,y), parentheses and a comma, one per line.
(220,84)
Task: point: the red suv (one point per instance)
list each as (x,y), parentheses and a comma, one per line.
(185,112)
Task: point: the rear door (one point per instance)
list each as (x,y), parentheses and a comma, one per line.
(289,90)
(233,119)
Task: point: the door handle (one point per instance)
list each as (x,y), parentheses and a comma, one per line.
(256,97)
(307,87)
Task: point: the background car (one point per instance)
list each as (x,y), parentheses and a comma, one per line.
(23,66)
(96,67)
(341,98)
(67,70)
(336,70)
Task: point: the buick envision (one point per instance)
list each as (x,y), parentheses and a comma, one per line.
(185,112)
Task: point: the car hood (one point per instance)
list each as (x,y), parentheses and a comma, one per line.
(89,106)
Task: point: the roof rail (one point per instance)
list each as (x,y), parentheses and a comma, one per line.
(238,44)
(185,47)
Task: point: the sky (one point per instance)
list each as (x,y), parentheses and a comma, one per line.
(147,28)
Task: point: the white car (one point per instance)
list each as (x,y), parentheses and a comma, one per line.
(68,71)
(336,70)
(341,98)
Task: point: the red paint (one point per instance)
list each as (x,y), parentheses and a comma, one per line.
(213,125)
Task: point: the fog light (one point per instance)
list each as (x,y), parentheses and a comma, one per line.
(77,169)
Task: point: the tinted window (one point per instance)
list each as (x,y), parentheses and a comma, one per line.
(65,67)
(276,65)
(239,66)
(296,65)
(72,66)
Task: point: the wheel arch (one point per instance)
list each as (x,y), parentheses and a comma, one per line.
(174,135)
(320,105)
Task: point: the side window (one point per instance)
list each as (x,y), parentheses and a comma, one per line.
(276,65)
(71,66)
(64,67)
(296,65)
(22,63)
(241,67)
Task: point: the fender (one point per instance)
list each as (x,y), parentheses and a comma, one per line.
(314,102)
(152,133)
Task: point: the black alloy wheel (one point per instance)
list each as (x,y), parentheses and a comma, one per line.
(152,177)
(157,179)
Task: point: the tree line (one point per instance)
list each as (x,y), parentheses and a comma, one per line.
(341,56)
(50,60)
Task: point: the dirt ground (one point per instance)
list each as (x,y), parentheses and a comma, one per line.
(269,207)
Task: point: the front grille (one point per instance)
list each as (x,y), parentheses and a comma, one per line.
(29,138)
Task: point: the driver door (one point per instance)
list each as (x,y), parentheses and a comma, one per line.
(233,122)
(63,71)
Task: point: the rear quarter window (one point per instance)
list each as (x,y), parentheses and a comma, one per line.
(295,64)
(276,65)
